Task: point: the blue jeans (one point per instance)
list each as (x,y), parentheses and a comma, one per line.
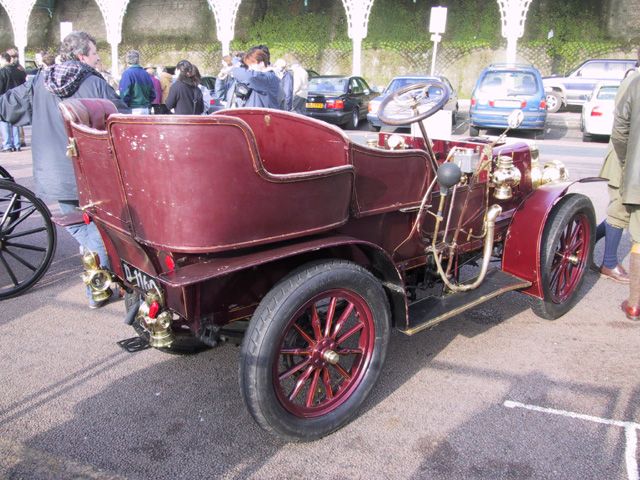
(10,136)
(87,236)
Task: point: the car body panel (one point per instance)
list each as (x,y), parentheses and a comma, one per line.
(597,112)
(500,89)
(402,81)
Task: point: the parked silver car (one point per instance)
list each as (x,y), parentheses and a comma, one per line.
(575,87)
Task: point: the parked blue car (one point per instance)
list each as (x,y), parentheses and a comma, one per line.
(502,88)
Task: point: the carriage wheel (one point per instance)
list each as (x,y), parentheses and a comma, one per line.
(314,349)
(27,239)
(567,248)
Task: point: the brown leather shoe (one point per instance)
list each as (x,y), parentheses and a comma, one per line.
(617,274)
(632,312)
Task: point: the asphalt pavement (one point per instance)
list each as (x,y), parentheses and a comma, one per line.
(494,393)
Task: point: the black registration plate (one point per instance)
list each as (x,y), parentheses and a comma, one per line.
(139,278)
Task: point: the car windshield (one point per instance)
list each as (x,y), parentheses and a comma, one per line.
(398,83)
(508,83)
(607,93)
(327,85)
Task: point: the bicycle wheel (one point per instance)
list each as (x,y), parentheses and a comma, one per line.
(27,239)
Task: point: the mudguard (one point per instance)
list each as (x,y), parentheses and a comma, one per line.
(523,242)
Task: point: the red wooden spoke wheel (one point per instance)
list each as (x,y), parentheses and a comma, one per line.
(314,349)
(324,354)
(570,258)
(566,252)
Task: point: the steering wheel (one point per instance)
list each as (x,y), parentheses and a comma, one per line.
(413,103)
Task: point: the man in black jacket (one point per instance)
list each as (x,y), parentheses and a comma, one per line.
(36,102)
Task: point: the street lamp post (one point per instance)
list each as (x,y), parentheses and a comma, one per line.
(437,24)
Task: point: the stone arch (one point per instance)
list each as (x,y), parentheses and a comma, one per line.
(19,12)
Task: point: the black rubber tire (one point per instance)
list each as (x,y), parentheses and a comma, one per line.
(267,332)
(355,119)
(17,237)
(570,209)
(473,131)
(185,343)
(586,137)
(554,102)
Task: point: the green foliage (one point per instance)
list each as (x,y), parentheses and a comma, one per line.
(279,25)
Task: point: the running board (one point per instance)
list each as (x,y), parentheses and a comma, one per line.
(430,311)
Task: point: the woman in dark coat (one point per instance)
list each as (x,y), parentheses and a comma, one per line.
(185,97)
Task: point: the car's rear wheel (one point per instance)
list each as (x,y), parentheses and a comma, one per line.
(554,102)
(567,249)
(355,119)
(314,349)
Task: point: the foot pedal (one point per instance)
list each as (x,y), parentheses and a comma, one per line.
(133,344)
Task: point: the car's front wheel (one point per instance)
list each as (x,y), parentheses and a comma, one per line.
(314,349)
(554,102)
(567,248)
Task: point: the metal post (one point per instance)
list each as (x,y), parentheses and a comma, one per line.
(435,38)
(437,25)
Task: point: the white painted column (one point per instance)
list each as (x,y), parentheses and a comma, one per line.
(112,13)
(115,69)
(225,12)
(513,14)
(358,17)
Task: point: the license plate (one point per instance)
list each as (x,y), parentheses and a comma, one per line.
(507,103)
(138,278)
(315,105)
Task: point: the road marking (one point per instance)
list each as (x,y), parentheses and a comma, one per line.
(630,430)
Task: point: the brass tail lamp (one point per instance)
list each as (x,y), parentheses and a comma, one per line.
(155,320)
(95,277)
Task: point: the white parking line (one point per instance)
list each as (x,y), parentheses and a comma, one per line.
(630,429)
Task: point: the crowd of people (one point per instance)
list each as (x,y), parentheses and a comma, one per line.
(246,79)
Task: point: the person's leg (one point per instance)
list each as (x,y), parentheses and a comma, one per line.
(617,220)
(15,136)
(631,306)
(6,136)
(87,236)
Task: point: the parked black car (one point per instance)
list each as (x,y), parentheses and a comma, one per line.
(339,99)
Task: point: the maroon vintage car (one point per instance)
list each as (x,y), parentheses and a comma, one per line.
(275,230)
